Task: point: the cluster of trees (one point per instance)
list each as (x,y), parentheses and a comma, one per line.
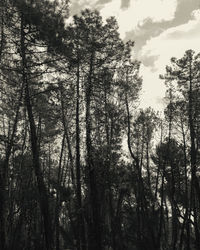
(80,166)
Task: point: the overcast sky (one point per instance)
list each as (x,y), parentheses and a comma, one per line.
(161,29)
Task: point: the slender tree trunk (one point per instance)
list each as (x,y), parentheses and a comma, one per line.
(67,134)
(2,42)
(4,173)
(195,190)
(140,193)
(95,241)
(43,195)
(148,168)
(118,222)
(161,219)
(58,203)
(5,164)
(81,224)
(186,222)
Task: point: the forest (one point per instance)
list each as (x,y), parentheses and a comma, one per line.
(81,166)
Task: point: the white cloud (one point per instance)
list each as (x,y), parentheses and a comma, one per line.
(138,11)
(170,43)
(173,42)
(75,6)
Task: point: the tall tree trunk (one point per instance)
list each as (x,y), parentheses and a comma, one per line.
(2,42)
(65,127)
(4,173)
(5,165)
(81,224)
(95,241)
(172,186)
(186,222)
(58,203)
(140,192)
(195,190)
(161,219)
(43,195)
